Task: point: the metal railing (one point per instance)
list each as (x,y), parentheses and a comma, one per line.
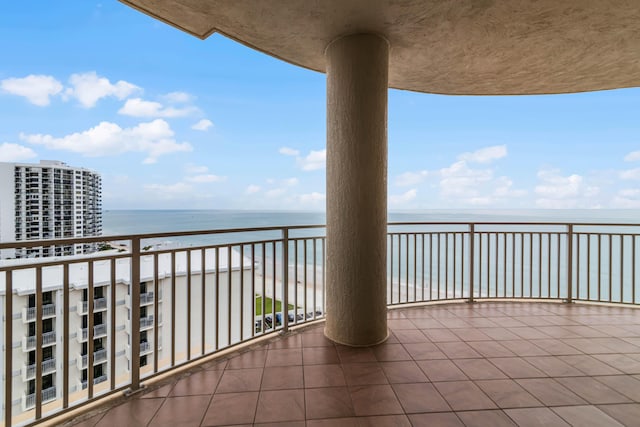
(228,287)
(29,371)
(29,313)
(30,342)
(48,395)
(99,356)
(99,304)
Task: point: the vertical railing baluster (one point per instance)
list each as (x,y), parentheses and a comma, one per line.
(253,290)
(8,345)
(135,313)
(156,312)
(578,253)
(295,281)
(610,240)
(189,317)
(599,267)
(471,260)
(589,267)
(65,335)
(241,295)
(203,297)
(569,263)
(446,265)
(390,268)
(39,332)
(217,299)
(285,280)
(415,267)
(90,330)
(621,267)
(455,258)
(229,299)
(315,277)
(173,308)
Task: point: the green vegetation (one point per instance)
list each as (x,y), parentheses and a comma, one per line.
(268,305)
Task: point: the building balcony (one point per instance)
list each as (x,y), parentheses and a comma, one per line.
(29,400)
(99,331)
(29,313)
(99,304)
(147,322)
(29,342)
(29,371)
(146,298)
(83,384)
(99,356)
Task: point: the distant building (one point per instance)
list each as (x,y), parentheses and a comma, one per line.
(112,332)
(49,200)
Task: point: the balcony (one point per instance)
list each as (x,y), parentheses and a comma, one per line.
(146,298)
(99,304)
(29,371)
(29,342)
(99,331)
(146,322)
(29,400)
(99,356)
(29,313)
(484,319)
(96,381)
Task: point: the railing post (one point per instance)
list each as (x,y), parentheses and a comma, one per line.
(472,257)
(285,280)
(569,263)
(135,315)
(8,345)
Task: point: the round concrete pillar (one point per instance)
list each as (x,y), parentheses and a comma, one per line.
(357,82)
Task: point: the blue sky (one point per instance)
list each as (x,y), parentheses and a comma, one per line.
(171,121)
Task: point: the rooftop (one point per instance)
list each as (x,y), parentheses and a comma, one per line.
(481,364)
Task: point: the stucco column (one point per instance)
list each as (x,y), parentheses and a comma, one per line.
(357,81)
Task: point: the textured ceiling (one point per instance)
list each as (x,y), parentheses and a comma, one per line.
(440,46)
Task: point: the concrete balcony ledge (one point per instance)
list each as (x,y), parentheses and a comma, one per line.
(454,364)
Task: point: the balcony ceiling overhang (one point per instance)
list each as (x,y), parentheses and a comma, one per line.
(475,47)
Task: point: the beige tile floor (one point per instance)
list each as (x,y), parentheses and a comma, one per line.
(484,364)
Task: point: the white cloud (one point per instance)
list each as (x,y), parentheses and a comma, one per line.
(290,182)
(564,192)
(634,156)
(275,192)
(288,151)
(459,180)
(10,152)
(411,178)
(154,139)
(195,169)
(400,199)
(89,88)
(137,107)
(461,185)
(252,189)
(313,161)
(485,155)
(202,125)
(177,188)
(36,88)
(178,97)
(200,179)
(630,174)
(628,198)
(313,198)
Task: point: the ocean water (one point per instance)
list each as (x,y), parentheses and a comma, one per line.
(124,222)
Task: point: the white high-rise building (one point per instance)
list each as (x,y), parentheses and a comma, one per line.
(49,200)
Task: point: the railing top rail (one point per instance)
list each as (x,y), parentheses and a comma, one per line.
(99,239)
(512,223)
